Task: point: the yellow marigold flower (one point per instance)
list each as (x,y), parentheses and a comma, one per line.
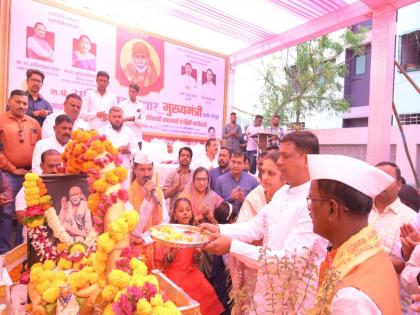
(93,277)
(137,280)
(77,247)
(121,172)
(41,287)
(169,305)
(64,263)
(110,147)
(139,267)
(35,274)
(108,310)
(98,146)
(118,278)
(46,275)
(143,307)
(31,177)
(131,217)
(36,222)
(29,184)
(111,177)
(100,255)
(109,292)
(77,280)
(99,267)
(50,295)
(100,185)
(157,300)
(60,275)
(49,264)
(118,229)
(162,310)
(105,243)
(32,191)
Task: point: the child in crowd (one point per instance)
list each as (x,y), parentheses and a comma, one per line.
(225,213)
(179,265)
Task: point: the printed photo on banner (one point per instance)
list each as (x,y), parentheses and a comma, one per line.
(140,61)
(39,42)
(208,88)
(84,53)
(69,194)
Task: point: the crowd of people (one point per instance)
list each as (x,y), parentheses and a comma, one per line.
(360,219)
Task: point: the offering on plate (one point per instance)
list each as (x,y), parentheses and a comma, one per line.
(178,235)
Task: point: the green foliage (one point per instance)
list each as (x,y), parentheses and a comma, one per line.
(308,78)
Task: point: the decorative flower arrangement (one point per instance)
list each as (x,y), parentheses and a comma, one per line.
(130,290)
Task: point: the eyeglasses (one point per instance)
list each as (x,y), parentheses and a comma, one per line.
(309,200)
(35,80)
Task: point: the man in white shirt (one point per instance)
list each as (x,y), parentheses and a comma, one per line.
(97,103)
(62,129)
(188,83)
(209,160)
(134,112)
(72,107)
(284,224)
(387,216)
(208,89)
(252,145)
(122,137)
(50,164)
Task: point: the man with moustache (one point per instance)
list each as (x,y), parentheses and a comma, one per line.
(72,108)
(62,134)
(340,198)
(232,134)
(284,224)
(18,135)
(97,103)
(149,201)
(122,137)
(223,161)
(180,178)
(38,107)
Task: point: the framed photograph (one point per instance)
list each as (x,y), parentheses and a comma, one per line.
(69,198)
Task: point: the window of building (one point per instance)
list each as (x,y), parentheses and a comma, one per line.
(410,51)
(360,65)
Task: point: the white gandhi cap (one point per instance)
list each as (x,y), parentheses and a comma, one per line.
(142,158)
(355,173)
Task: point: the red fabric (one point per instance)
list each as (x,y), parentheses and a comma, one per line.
(192,281)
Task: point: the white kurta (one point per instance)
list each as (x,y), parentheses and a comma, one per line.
(286,227)
(408,277)
(49,122)
(93,102)
(40,147)
(119,138)
(352,301)
(137,110)
(205,162)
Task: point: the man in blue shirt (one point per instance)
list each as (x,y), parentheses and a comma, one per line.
(236,184)
(223,161)
(38,107)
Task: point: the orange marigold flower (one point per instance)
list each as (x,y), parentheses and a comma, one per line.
(111,178)
(98,146)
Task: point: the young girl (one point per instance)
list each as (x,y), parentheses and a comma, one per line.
(179,267)
(225,213)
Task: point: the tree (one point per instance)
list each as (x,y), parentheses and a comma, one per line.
(307,78)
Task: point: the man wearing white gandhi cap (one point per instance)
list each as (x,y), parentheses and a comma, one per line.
(147,199)
(339,201)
